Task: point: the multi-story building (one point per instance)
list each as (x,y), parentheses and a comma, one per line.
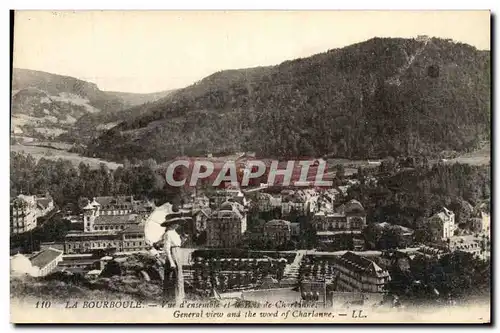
(293,201)
(348,217)
(443,223)
(120,205)
(116,223)
(132,239)
(356,273)
(227,225)
(113,215)
(340,230)
(277,231)
(86,242)
(23,214)
(266,202)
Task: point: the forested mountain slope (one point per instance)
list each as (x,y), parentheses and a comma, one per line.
(385,96)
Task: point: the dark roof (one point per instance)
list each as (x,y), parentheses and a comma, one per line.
(43,202)
(134,229)
(358,260)
(116,219)
(361,264)
(45,257)
(111,201)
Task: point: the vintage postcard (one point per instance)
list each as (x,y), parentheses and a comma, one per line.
(250,167)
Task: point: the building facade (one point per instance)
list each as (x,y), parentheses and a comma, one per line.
(266,202)
(226,226)
(349,217)
(443,223)
(110,223)
(23,214)
(485,223)
(46,261)
(277,231)
(40,264)
(356,273)
(132,239)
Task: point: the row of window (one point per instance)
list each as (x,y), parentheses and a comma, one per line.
(109,227)
(114,212)
(103,244)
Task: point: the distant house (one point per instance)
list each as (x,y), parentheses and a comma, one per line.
(444,223)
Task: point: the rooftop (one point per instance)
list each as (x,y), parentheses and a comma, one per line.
(134,229)
(117,219)
(277,222)
(90,234)
(337,232)
(110,200)
(45,257)
(362,264)
(43,202)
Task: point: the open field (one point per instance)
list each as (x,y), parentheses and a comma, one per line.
(55,154)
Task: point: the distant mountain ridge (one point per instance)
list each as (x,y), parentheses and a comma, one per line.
(46,105)
(385,96)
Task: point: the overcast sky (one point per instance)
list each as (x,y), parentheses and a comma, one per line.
(154,51)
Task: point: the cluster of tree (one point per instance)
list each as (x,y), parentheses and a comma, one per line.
(458,275)
(390,237)
(67,184)
(410,197)
(342,102)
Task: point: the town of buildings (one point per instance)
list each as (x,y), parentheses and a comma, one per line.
(336,268)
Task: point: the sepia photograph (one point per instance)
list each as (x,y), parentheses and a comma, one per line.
(250,167)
